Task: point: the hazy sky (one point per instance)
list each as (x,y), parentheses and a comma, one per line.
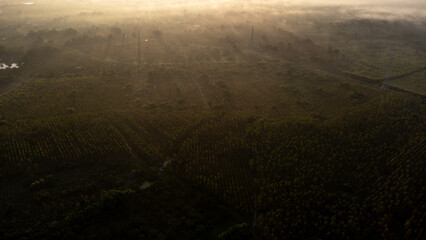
(290,1)
(338,2)
(362,1)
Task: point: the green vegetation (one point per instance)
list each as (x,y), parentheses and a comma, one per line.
(414,83)
(291,136)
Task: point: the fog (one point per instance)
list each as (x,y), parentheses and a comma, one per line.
(212,119)
(40,11)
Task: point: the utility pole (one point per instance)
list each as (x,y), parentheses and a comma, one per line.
(139,46)
(139,42)
(146,50)
(252,37)
(387,74)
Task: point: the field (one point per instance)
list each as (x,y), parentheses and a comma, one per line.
(264,123)
(415,83)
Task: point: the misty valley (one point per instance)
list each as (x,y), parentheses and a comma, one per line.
(209,119)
